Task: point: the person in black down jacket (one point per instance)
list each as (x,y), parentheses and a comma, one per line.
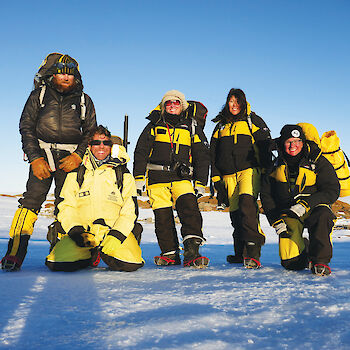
(239,149)
(173,150)
(297,194)
(54,126)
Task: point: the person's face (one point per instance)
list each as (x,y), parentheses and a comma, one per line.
(100,150)
(63,82)
(173,107)
(234,106)
(293,146)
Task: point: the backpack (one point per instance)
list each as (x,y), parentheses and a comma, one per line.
(197,111)
(45,70)
(329,144)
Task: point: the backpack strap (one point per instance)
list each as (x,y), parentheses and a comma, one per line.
(119,173)
(82,102)
(82,107)
(41,95)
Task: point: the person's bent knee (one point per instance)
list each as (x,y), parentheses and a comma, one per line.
(119,265)
(67,266)
(297,263)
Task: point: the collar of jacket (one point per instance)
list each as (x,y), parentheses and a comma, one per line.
(90,163)
(312,154)
(155,117)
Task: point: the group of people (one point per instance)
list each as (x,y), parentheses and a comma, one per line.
(96,196)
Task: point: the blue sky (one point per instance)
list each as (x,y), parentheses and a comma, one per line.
(290,57)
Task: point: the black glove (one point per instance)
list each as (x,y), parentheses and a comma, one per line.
(221,196)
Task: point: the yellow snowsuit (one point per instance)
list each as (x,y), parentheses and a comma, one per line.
(99,214)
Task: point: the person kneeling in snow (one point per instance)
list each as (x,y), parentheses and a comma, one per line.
(98,211)
(297,194)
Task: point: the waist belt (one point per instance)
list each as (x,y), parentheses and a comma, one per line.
(158,167)
(48,147)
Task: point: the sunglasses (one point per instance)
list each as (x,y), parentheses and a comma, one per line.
(69,65)
(175,103)
(98,142)
(295,142)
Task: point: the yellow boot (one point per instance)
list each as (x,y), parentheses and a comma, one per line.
(21,229)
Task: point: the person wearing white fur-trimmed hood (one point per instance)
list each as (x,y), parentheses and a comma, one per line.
(171,152)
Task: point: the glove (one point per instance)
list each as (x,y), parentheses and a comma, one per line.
(199,190)
(82,237)
(221,196)
(70,162)
(296,211)
(41,168)
(280,227)
(140,186)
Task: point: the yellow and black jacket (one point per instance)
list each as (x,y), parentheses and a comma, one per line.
(316,183)
(167,140)
(239,144)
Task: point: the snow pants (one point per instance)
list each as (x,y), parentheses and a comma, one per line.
(120,256)
(243,188)
(162,197)
(295,251)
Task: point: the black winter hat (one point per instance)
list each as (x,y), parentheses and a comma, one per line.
(291,131)
(66,65)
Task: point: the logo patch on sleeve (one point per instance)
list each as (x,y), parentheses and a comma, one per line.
(84,194)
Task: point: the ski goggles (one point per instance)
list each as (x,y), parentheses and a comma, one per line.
(174,102)
(69,65)
(98,142)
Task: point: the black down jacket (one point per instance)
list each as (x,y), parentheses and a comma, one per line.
(57,120)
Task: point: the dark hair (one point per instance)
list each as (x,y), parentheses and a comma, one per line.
(99,130)
(241,99)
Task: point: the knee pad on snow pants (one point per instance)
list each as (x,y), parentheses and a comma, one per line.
(21,229)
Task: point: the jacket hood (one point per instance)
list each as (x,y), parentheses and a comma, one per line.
(222,118)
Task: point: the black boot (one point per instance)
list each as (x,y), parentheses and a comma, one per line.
(168,259)
(14,262)
(191,253)
(252,255)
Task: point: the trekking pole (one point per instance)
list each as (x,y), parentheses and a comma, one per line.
(125,136)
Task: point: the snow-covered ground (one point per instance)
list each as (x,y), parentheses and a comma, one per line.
(222,307)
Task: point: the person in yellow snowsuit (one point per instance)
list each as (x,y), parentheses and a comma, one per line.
(98,211)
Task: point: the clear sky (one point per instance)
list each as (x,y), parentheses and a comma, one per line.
(291,58)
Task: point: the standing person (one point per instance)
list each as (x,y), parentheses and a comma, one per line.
(98,211)
(54,138)
(297,194)
(239,149)
(172,150)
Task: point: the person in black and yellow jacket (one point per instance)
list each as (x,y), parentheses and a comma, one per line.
(172,151)
(297,194)
(98,211)
(239,150)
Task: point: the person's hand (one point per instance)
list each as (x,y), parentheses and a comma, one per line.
(140,186)
(296,211)
(280,227)
(70,162)
(41,168)
(112,242)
